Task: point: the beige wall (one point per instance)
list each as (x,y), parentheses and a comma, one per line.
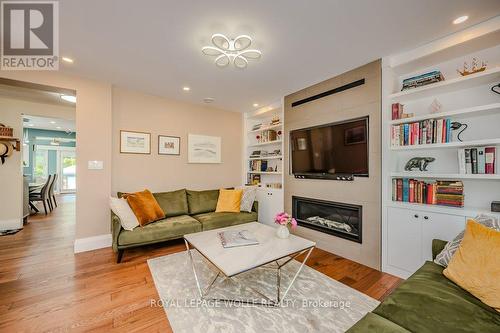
(353,103)
(145,113)
(93,125)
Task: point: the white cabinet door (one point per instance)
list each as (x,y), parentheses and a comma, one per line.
(270,204)
(438,226)
(404,239)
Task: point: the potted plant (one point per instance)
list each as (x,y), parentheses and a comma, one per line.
(284,220)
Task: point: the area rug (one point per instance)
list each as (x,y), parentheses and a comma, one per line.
(315,303)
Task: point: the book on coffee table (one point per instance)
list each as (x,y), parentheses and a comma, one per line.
(235,238)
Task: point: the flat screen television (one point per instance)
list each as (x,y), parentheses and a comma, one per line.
(330,150)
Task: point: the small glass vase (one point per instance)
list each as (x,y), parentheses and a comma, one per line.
(282,232)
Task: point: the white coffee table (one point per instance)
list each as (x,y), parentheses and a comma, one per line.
(231,262)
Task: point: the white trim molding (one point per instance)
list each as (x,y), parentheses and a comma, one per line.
(11,224)
(92,243)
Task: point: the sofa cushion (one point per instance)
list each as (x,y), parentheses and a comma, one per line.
(429,302)
(229,201)
(169,228)
(219,220)
(145,207)
(202,201)
(173,203)
(373,323)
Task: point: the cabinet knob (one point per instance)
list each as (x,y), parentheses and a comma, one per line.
(426,217)
(415,216)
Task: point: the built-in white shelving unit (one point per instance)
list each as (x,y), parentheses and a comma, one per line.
(270,191)
(408,228)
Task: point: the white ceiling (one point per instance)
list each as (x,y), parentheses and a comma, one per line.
(155,46)
(47,123)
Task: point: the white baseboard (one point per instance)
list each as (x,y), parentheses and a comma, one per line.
(11,224)
(92,243)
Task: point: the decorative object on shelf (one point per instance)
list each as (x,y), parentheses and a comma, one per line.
(266,136)
(275,120)
(418,162)
(455,125)
(475,68)
(169,145)
(274,185)
(6,150)
(6,131)
(435,106)
(135,142)
(422,80)
(255,154)
(355,135)
(397,111)
(204,149)
(256,127)
(495,87)
(235,51)
(284,220)
(495,206)
(278,135)
(269,169)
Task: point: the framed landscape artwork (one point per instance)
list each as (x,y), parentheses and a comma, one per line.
(204,149)
(135,142)
(355,135)
(169,145)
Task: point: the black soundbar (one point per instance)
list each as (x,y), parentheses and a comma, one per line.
(329,176)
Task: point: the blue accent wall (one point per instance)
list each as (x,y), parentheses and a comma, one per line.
(52,154)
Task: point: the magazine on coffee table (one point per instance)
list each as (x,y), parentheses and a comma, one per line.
(234,238)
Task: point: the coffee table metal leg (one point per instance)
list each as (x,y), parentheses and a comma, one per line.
(194,269)
(295,277)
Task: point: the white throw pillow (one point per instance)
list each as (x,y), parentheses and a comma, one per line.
(121,208)
(248,197)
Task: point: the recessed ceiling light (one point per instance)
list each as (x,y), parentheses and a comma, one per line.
(186,88)
(68,60)
(208,100)
(255,105)
(31,125)
(58,127)
(52,122)
(69,98)
(460,19)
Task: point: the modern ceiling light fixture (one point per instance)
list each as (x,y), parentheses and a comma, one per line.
(460,19)
(68,60)
(229,51)
(186,88)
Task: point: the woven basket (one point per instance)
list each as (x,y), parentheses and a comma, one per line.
(6,131)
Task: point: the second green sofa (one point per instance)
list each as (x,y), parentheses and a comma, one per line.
(186,212)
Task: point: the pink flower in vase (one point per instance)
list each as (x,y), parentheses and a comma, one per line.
(294,223)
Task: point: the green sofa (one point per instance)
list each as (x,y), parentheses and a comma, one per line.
(186,212)
(428,302)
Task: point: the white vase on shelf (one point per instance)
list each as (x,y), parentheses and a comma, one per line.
(282,232)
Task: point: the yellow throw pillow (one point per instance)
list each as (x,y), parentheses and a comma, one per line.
(476,265)
(145,207)
(229,201)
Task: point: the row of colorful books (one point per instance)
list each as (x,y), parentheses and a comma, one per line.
(441,192)
(480,160)
(258,165)
(421,132)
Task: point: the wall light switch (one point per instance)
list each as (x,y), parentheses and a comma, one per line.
(95,165)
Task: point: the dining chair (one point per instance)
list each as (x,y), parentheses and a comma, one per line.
(52,197)
(43,195)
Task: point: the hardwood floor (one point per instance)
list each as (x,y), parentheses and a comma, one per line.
(45,287)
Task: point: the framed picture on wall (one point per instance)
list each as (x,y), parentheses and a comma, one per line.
(355,135)
(169,145)
(204,149)
(135,142)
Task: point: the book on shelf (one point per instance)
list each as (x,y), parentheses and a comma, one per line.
(477,160)
(448,193)
(421,132)
(258,165)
